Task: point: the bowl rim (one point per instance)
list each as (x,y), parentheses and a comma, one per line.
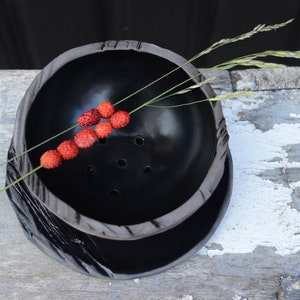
(95,227)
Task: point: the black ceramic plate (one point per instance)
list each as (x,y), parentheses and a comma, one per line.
(121,259)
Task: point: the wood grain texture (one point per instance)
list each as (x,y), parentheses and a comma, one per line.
(240,261)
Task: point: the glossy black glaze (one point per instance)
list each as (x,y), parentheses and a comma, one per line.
(165,178)
(118,259)
(142,171)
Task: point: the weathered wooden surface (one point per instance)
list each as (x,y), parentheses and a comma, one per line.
(254,254)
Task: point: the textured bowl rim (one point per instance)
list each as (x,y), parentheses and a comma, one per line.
(89,225)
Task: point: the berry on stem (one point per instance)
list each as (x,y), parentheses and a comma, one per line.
(68,149)
(89,118)
(85,138)
(50,159)
(106,109)
(103,129)
(120,119)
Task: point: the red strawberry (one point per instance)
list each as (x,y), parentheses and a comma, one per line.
(68,149)
(50,159)
(120,119)
(106,109)
(89,118)
(103,129)
(85,138)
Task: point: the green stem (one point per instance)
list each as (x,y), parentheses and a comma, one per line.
(187,90)
(226,65)
(217,98)
(214,46)
(162,94)
(20,179)
(148,85)
(38,145)
(247,60)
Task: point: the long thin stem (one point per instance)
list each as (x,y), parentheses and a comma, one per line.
(244,61)
(163,93)
(20,179)
(247,60)
(38,145)
(150,84)
(188,89)
(217,98)
(214,46)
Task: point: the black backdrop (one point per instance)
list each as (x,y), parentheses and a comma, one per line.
(33,32)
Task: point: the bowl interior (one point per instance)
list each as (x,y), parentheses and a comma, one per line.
(140,172)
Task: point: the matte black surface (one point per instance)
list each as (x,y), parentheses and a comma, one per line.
(140,172)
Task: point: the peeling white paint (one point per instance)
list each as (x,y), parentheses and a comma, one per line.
(259,213)
(296,116)
(237,297)
(246,85)
(187,297)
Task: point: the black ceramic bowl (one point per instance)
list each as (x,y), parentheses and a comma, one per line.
(145,179)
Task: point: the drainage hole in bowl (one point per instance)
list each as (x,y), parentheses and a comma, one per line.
(90,169)
(113,192)
(122,163)
(147,169)
(138,140)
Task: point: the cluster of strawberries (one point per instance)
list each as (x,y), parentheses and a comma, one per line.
(86,137)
